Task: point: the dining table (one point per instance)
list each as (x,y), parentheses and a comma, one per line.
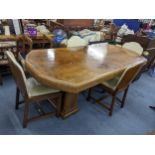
(73,70)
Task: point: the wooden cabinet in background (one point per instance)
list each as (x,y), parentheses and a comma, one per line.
(77,22)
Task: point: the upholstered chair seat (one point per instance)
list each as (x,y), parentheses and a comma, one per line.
(36,89)
(119,83)
(112,83)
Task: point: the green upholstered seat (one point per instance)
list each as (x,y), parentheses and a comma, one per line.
(112,83)
(36,89)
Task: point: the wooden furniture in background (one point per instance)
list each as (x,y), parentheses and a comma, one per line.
(32,91)
(9,42)
(118,84)
(42,39)
(77,22)
(69,25)
(143,41)
(73,70)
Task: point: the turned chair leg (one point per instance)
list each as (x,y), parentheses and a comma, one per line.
(26,111)
(124,97)
(89,94)
(112,105)
(17,98)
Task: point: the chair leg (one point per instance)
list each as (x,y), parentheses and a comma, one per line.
(1,81)
(26,111)
(112,105)
(124,97)
(17,98)
(59,105)
(89,94)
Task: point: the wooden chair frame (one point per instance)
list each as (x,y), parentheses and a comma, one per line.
(20,80)
(122,85)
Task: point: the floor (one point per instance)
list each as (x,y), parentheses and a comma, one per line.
(135,118)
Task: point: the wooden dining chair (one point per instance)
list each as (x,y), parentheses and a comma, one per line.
(32,91)
(118,84)
(134,47)
(76,41)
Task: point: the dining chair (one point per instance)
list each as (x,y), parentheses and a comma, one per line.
(118,84)
(32,91)
(76,41)
(134,47)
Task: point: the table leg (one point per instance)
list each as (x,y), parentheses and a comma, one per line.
(69,104)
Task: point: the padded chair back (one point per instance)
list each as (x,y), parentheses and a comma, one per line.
(18,74)
(143,41)
(76,41)
(128,76)
(133,46)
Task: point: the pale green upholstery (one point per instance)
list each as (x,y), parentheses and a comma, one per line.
(112,83)
(133,46)
(115,82)
(76,41)
(36,89)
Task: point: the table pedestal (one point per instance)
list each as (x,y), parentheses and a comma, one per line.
(69,104)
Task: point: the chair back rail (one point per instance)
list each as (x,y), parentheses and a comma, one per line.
(128,76)
(18,74)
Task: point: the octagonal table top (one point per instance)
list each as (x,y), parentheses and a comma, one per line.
(76,69)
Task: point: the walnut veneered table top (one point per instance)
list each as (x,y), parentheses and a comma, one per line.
(76,69)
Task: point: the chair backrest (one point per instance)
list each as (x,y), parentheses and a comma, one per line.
(128,76)
(18,74)
(76,41)
(143,41)
(133,46)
